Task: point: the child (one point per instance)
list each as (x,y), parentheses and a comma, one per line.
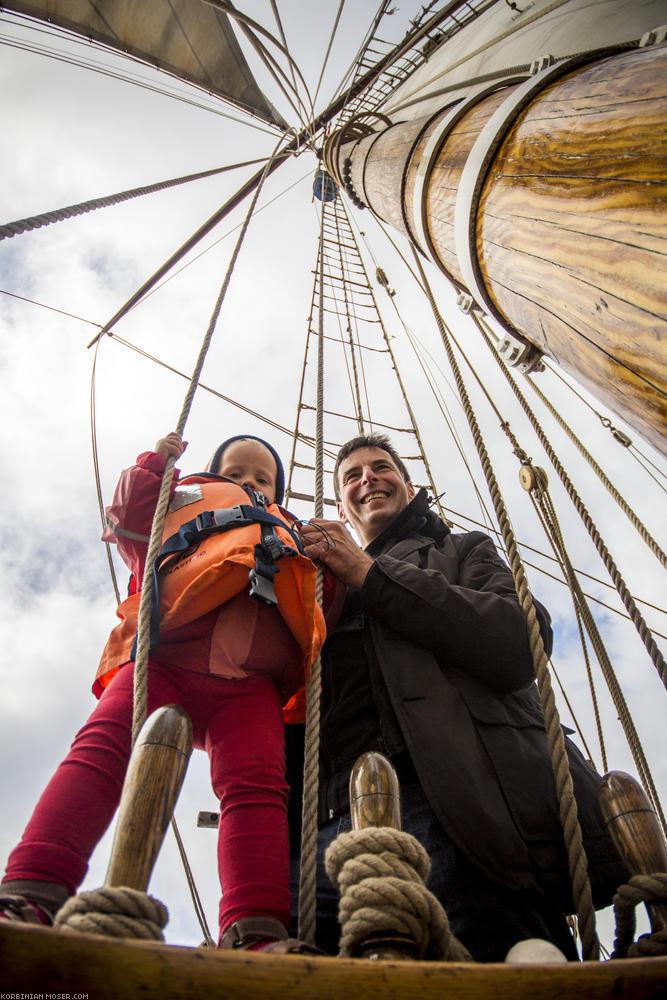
(230,661)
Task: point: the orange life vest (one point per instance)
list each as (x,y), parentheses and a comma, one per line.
(211,545)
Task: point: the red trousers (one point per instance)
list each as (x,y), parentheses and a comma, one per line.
(240,725)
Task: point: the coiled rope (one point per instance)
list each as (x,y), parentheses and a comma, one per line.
(639,889)
(381,875)
(577,862)
(114,912)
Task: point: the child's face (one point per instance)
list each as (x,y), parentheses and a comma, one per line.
(250,463)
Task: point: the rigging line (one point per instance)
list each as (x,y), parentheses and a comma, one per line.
(639,527)
(247,23)
(408,406)
(175,273)
(148,587)
(309,815)
(96,470)
(617,435)
(446,416)
(577,726)
(544,506)
(91,67)
(647,470)
(328,52)
(268,60)
(57,215)
(185,248)
(214,392)
(577,862)
(438,395)
(283,37)
(355,389)
(364,45)
(580,572)
(611,567)
(192,886)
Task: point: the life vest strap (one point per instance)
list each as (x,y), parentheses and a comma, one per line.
(267,552)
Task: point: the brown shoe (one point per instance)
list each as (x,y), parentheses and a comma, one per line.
(265,934)
(20,910)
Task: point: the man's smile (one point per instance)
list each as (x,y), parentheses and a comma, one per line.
(374,496)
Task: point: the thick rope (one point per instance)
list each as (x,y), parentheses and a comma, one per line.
(611,567)
(547,514)
(60,214)
(381,874)
(311,763)
(155,543)
(608,485)
(114,912)
(577,862)
(640,889)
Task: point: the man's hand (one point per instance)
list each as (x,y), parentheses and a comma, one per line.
(171,445)
(330,542)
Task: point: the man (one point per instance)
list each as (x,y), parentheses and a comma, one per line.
(430,664)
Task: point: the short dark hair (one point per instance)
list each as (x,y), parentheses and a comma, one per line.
(368,441)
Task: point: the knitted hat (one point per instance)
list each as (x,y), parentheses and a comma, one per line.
(280,472)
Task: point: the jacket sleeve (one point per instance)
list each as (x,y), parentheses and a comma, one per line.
(460,603)
(130,515)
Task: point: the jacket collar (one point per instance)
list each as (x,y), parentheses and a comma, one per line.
(415,519)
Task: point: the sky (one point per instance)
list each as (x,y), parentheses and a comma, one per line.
(70,135)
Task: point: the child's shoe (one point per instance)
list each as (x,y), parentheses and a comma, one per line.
(264,934)
(22,911)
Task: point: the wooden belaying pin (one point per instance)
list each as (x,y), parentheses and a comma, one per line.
(153,781)
(375,794)
(636,832)
(375,801)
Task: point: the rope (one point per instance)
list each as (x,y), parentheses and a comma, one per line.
(577,863)
(114,912)
(609,486)
(59,214)
(640,889)
(544,508)
(147,589)
(610,565)
(311,764)
(380,873)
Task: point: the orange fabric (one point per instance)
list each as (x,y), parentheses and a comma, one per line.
(215,571)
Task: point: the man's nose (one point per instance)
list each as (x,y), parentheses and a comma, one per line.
(368,475)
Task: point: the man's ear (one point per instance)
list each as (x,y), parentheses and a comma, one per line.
(411,490)
(341,513)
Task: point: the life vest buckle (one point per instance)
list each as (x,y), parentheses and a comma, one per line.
(211,520)
(262,589)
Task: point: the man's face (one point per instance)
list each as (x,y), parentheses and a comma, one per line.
(372,492)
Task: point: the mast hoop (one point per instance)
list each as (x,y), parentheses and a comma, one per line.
(452,116)
(479,161)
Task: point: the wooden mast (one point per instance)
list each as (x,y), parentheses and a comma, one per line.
(542,196)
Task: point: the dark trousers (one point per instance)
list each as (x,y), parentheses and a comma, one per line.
(486,917)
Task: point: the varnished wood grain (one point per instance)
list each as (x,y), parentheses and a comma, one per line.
(154,778)
(36,959)
(572,231)
(636,832)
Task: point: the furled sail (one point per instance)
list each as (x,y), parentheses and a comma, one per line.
(186,38)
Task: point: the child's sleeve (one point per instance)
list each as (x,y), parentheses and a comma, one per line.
(130,514)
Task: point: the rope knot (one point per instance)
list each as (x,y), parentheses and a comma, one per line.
(639,889)
(114,912)
(380,873)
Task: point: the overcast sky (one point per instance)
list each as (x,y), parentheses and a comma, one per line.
(69,135)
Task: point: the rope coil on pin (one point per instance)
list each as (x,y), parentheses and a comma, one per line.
(639,889)
(381,876)
(114,912)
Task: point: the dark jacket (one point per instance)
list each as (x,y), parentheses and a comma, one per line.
(443,622)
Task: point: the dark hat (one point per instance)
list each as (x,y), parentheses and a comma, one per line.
(280,472)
